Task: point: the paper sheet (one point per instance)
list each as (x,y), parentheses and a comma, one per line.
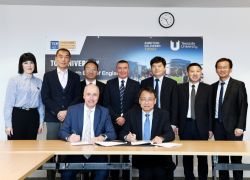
(168,145)
(140,143)
(80,143)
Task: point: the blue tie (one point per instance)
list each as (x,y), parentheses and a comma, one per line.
(146,132)
(122,89)
(157,92)
(220,101)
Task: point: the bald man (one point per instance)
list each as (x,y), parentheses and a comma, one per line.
(87,122)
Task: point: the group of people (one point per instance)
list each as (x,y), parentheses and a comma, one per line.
(156,109)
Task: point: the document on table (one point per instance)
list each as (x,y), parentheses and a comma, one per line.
(110,143)
(80,143)
(140,143)
(168,145)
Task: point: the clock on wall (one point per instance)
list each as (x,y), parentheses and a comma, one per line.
(166,20)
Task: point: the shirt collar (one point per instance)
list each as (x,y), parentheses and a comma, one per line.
(196,84)
(226,81)
(86,108)
(150,113)
(88,82)
(61,71)
(160,79)
(26,76)
(125,80)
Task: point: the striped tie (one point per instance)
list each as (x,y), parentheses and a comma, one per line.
(122,89)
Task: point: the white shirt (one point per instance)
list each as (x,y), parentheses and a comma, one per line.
(63,77)
(189,99)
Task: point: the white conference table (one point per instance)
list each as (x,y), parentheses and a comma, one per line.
(57,147)
(15,166)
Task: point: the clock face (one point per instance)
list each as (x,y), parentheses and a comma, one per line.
(166,19)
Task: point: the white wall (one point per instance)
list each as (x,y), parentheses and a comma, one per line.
(225,33)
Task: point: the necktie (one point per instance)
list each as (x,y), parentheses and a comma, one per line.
(220,101)
(122,89)
(146,132)
(87,133)
(157,92)
(193,102)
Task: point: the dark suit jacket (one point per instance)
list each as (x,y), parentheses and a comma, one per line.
(203,108)
(112,98)
(234,108)
(101,87)
(168,95)
(73,122)
(55,98)
(160,127)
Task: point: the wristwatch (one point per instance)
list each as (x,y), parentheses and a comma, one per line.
(104,136)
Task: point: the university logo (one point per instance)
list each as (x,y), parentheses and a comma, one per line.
(174,46)
(54,44)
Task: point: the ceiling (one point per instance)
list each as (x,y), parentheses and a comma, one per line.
(132,3)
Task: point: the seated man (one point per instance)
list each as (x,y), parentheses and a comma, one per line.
(87,122)
(149,123)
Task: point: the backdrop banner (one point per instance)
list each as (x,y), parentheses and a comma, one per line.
(138,51)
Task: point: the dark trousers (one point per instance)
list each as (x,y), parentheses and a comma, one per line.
(191,132)
(95,175)
(221,134)
(154,167)
(157,173)
(25,124)
(114,174)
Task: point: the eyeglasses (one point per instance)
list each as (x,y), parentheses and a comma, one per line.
(147,100)
(90,70)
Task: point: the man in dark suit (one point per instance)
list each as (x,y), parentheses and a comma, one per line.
(90,123)
(91,69)
(60,89)
(195,117)
(230,102)
(166,89)
(120,95)
(148,122)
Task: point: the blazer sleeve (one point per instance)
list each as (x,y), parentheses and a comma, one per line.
(210,108)
(107,101)
(77,91)
(243,105)
(66,128)
(46,93)
(174,105)
(109,128)
(126,127)
(168,133)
